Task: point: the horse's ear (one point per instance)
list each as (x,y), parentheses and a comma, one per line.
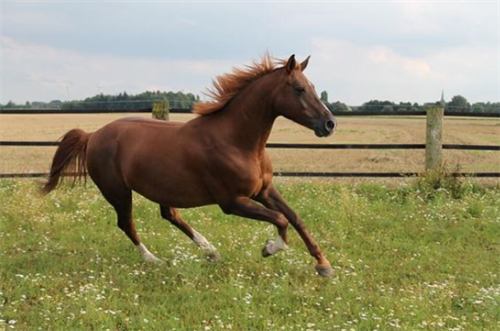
(303,65)
(290,64)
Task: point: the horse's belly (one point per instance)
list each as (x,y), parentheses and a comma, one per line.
(173,194)
(169,183)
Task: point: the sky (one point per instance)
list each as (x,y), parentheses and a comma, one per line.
(360,50)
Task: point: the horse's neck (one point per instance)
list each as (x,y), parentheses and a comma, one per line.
(251,118)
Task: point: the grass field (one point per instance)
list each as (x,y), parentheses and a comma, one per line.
(364,130)
(405,258)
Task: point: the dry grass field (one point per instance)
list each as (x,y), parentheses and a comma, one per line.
(366,130)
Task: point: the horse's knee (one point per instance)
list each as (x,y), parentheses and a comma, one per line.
(281,221)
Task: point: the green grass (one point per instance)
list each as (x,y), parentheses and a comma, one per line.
(404,259)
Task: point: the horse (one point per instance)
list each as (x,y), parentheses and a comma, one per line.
(219,157)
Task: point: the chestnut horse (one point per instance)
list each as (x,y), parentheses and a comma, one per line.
(218,157)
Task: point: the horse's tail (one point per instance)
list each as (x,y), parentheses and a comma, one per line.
(70,159)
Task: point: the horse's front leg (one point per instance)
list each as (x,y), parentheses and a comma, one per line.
(245,207)
(272,199)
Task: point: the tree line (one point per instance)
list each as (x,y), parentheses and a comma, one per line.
(457,104)
(121,101)
(125,101)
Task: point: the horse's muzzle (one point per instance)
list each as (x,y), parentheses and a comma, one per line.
(325,128)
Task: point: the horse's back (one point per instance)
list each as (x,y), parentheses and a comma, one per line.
(130,135)
(142,123)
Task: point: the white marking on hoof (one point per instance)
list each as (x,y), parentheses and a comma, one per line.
(274,246)
(147,255)
(202,242)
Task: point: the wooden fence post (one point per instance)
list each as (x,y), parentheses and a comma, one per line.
(161,110)
(434,137)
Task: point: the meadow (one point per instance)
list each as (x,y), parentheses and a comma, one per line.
(405,258)
(351,130)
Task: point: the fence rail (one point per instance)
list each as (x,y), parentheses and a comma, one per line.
(307,146)
(17,111)
(280,145)
(310,174)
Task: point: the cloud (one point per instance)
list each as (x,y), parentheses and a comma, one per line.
(33,72)
(403,51)
(359,73)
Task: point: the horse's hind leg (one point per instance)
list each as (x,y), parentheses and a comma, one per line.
(126,224)
(120,197)
(103,169)
(173,216)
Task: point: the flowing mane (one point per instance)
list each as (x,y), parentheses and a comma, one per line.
(225,87)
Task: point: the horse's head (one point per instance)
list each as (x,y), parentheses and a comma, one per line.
(296,99)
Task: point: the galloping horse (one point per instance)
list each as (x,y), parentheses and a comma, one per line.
(218,157)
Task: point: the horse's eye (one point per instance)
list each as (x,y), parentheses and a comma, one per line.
(299,89)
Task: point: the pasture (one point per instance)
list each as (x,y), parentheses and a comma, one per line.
(405,258)
(379,130)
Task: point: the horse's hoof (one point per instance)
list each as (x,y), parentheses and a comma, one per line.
(265,250)
(213,256)
(324,270)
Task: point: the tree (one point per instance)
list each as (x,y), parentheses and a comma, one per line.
(338,107)
(387,109)
(324,97)
(478,107)
(126,101)
(458,104)
(377,106)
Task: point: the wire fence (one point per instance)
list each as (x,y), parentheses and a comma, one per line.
(31,111)
(278,145)
(307,146)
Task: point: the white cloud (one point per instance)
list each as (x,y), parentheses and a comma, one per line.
(36,72)
(359,73)
(402,51)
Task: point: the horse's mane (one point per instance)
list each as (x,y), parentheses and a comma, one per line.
(225,87)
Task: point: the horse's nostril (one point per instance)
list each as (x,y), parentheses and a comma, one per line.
(329,125)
